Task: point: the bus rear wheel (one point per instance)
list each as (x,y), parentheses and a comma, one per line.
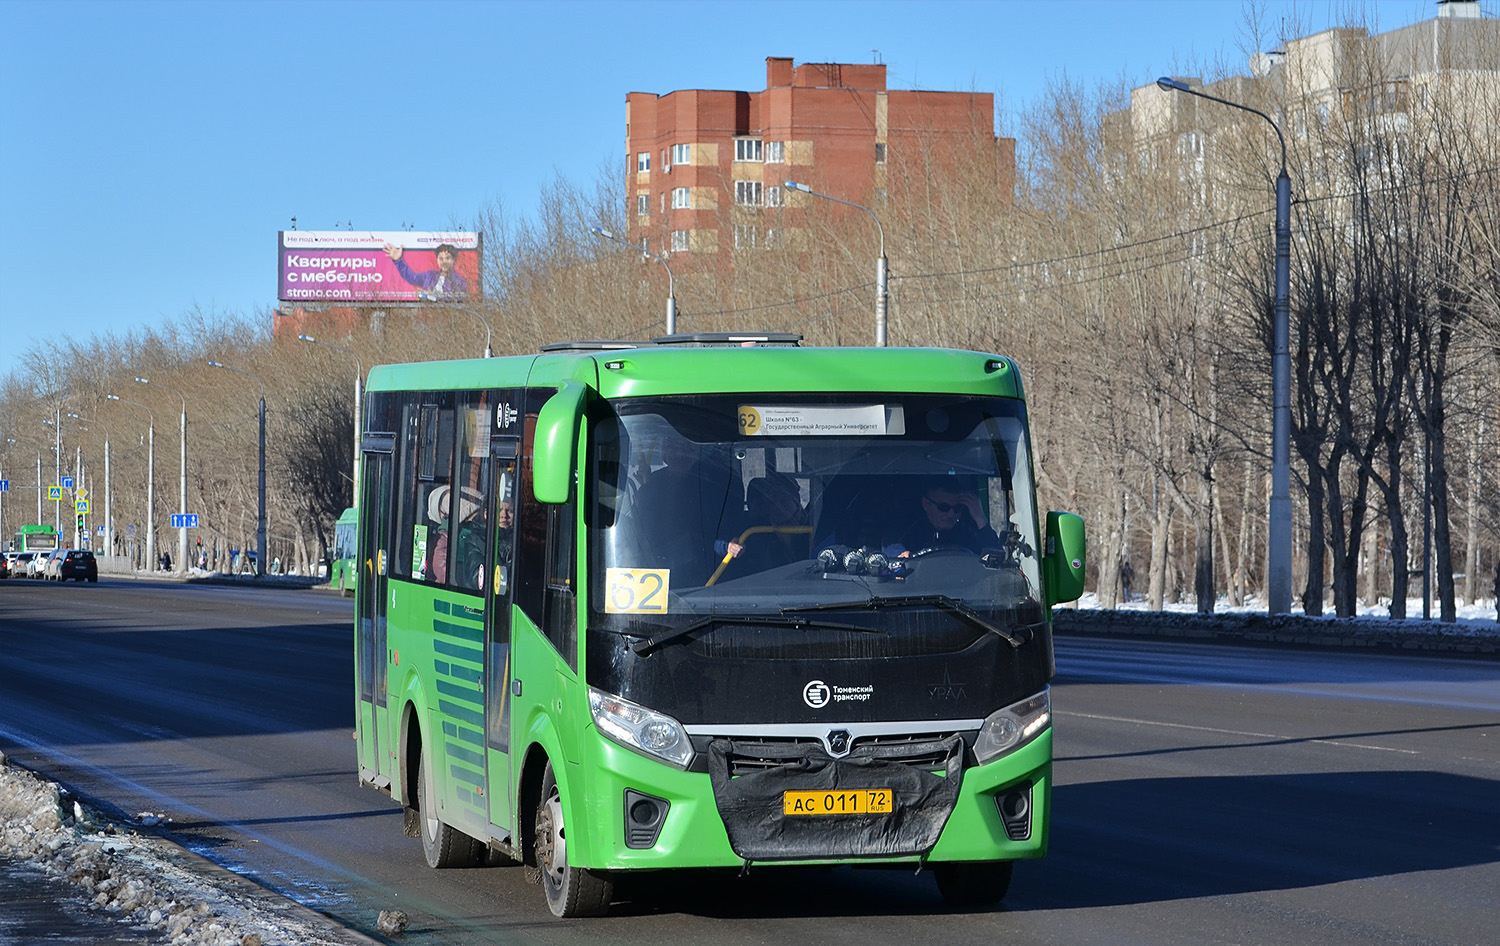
(444,847)
(571,891)
(973,885)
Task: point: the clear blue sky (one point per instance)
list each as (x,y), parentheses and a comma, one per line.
(149,152)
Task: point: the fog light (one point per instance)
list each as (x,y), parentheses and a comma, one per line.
(644,817)
(1015,812)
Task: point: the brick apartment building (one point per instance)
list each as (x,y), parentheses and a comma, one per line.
(708,167)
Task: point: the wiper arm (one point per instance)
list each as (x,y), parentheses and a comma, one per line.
(643,648)
(946,602)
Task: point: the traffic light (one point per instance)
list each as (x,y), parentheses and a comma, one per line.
(81,526)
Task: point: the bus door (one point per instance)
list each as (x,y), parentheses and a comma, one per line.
(373,561)
(499,596)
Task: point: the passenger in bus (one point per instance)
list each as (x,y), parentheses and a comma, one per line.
(773,503)
(680,508)
(468,549)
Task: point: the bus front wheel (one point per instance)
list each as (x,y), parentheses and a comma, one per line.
(571,891)
(973,885)
(443,846)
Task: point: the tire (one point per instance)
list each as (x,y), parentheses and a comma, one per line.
(973,885)
(571,891)
(444,847)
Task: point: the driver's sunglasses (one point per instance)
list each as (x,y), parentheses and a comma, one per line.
(942,507)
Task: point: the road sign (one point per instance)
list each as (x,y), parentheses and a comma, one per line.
(186,521)
(4,486)
(67,482)
(81,506)
(54,492)
(100,530)
(80,493)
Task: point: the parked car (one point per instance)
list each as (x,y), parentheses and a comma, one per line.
(51,562)
(77,564)
(5,565)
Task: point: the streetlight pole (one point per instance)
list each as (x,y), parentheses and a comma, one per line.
(56,473)
(182,543)
(150,480)
(109,522)
(38,473)
(359,377)
(671,283)
(1279,530)
(882,267)
(488,351)
(260,512)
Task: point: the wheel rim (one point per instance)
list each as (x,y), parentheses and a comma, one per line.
(551,842)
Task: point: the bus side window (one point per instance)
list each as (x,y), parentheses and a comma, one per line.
(560,608)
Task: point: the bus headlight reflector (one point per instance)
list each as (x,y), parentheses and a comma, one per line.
(1013,727)
(638,728)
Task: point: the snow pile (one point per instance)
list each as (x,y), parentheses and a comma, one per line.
(139,879)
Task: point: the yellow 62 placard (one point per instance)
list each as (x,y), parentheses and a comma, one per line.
(636,590)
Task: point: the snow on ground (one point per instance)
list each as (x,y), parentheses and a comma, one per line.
(1474,620)
(145,882)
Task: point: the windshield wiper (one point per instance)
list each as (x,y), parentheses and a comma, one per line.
(946,602)
(644,647)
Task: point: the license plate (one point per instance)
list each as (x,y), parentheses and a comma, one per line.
(871,801)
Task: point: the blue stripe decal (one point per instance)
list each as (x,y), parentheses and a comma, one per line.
(460,754)
(473,632)
(468,798)
(457,652)
(464,775)
(467,694)
(471,674)
(472,717)
(438,604)
(472,736)
(443,668)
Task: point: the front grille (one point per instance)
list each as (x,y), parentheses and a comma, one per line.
(918,750)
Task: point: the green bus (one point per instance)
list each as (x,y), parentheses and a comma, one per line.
(709,601)
(35,539)
(341,571)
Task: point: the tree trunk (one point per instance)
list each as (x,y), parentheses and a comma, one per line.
(1203,544)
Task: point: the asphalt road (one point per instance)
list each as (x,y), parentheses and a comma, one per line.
(1205,793)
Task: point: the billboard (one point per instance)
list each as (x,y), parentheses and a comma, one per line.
(377,266)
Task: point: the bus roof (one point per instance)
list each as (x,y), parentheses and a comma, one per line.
(657,370)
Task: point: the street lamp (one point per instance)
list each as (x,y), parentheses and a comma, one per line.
(109,522)
(359,378)
(430,297)
(671,286)
(150,480)
(56,473)
(260,511)
(882,285)
(182,543)
(38,473)
(1279,530)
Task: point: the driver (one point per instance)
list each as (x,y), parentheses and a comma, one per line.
(950,517)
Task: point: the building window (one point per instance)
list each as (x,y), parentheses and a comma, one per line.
(745,237)
(747,149)
(666,165)
(681,198)
(643,161)
(880,152)
(775,152)
(775,197)
(747,193)
(642,205)
(679,241)
(770,240)
(682,154)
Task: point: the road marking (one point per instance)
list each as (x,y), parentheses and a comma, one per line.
(1234,732)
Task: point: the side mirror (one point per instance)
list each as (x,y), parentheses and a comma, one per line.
(554,447)
(1064,562)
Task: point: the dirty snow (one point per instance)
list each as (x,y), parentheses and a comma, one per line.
(144,881)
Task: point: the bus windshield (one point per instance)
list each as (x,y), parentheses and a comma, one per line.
(785,504)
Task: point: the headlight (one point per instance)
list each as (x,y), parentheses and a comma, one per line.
(1013,727)
(638,728)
